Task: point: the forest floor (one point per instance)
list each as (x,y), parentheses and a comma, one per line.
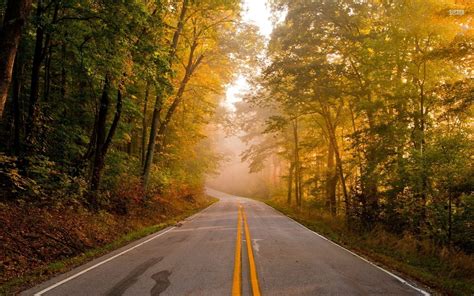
(447,272)
(40,242)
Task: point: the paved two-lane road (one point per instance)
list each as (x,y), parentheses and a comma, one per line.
(197,258)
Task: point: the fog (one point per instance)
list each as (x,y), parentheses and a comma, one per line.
(233,175)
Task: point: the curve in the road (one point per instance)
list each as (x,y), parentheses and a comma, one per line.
(203,256)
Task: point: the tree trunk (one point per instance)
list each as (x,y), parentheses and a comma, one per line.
(177,100)
(100,136)
(16,15)
(341,174)
(290,183)
(330,126)
(331,182)
(17,85)
(144,127)
(152,142)
(298,187)
(115,122)
(179,29)
(35,73)
(159,99)
(47,53)
(159,135)
(421,144)
(103,141)
(42,46)
(92,141)
(160,132)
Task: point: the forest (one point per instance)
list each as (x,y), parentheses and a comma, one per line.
(359,115)
(105,107)
(368,109)
(113,90)
(363,116)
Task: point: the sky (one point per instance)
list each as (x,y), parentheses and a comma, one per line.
(255,12)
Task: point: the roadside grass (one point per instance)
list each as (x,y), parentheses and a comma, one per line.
(36,276)
(445,271)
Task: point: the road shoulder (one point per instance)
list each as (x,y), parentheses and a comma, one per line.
(62,269)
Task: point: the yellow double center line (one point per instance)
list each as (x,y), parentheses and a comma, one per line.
(237,284)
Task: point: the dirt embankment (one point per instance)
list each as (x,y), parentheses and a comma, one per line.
(37,242)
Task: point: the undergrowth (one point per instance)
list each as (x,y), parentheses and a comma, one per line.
(446,270)
(38,243)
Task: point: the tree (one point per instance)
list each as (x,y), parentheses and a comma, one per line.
(200,32)
(16,15)
(367,86)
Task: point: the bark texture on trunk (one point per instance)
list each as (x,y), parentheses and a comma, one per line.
(100,135)
(331,182)
(16,14)
(104,138)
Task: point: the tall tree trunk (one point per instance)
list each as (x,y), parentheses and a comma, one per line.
(290,182)
(16,15)
(160,132)
(144,125)
(115,122)
(92,140)
(421,144)
(341,173)
(103,140)
(100,136)
(298,187)
(48,52)
(354,131)
(17,85)
(179,29)
(42,45)
(190,68)
(159,98)
(331,128)
(331,182)
(35,73)
(152,141)
(158,143)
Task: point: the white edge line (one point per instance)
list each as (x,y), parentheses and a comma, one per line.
(356,255)
(113,257)
(100,263)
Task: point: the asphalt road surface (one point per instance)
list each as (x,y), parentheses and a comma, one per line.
(210,254)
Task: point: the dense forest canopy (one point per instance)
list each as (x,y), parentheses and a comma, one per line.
(364,109)
(106,92)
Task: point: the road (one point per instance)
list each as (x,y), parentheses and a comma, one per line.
(208,254)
